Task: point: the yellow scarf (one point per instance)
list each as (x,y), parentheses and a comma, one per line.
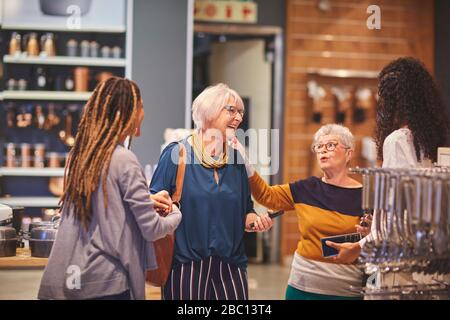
(206,160)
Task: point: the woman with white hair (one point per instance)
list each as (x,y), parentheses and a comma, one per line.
(325,206)
(209,259)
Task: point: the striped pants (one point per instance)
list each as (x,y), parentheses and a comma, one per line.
(209,279)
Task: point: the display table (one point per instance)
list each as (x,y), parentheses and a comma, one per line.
(23,259)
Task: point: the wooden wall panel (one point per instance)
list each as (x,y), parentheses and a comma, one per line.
(339,39)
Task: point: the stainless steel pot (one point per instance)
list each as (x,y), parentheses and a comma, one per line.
(59,8)
(41,241)
(8,242)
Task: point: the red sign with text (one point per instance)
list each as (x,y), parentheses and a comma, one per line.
(226,11)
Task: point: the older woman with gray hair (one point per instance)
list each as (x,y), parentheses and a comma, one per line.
(209,258)
(325,206)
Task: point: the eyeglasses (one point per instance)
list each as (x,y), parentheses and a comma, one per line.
(329,146)
(233,110)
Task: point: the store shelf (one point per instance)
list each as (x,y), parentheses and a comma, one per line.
(31,172)
(46,95)
(39,202)
(63,28)
(343,73)
(66,61)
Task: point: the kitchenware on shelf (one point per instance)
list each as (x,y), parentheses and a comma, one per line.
(317,94)
(25,117)
(53,160)
(94,47)
(55,184)
(22,84)
(10,115)
(102,76)
(69,84)
(342,103)
(59,83)
(8,242)
(106,52)
(38,223)
(411,221)
(10,155)
(116,52)
(39,117)
(39,150)
(81,76)
(39,155)
(11,84)
(60,7)
(41,80)
(364,102)
(52,119)
(48,46)
(49,214)
(42,240)
(84,48)
(25,153)
(69,139)
(72,48)
(31,44)
(15,44)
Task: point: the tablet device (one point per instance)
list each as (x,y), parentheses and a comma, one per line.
(328,251)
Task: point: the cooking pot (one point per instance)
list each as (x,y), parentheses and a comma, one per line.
(59,7)
(41,241)
(8,242)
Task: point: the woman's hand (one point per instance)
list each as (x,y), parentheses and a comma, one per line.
(365,225)
(348,251)
(236,144)
(162,202)
(257,223)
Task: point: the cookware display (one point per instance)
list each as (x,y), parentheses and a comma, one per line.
(411,221)
(39,133)
(31,44)
(342,102)
(59,8)
(317,94)
(48,48)
(15,47)
(42,238)
(8,242)
(45,45)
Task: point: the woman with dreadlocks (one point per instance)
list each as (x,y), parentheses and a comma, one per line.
(108,221)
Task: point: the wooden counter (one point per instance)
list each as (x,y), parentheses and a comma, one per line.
(23,259)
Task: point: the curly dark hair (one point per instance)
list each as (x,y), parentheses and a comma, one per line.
(408,96)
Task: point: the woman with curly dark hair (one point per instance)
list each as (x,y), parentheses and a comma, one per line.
(411,118)
(412,123)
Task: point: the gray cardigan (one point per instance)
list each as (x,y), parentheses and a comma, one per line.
(113,254)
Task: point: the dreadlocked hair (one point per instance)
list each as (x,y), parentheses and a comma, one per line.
(108,115)
(408,96)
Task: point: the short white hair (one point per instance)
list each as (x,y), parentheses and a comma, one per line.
(338,130)
(208,104)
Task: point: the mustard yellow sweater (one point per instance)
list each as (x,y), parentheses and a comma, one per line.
(323,210)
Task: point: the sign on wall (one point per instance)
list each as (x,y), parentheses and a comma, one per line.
(226,11)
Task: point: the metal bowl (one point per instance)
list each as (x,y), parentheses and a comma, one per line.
(59,8)
(8,242)
(41,241)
